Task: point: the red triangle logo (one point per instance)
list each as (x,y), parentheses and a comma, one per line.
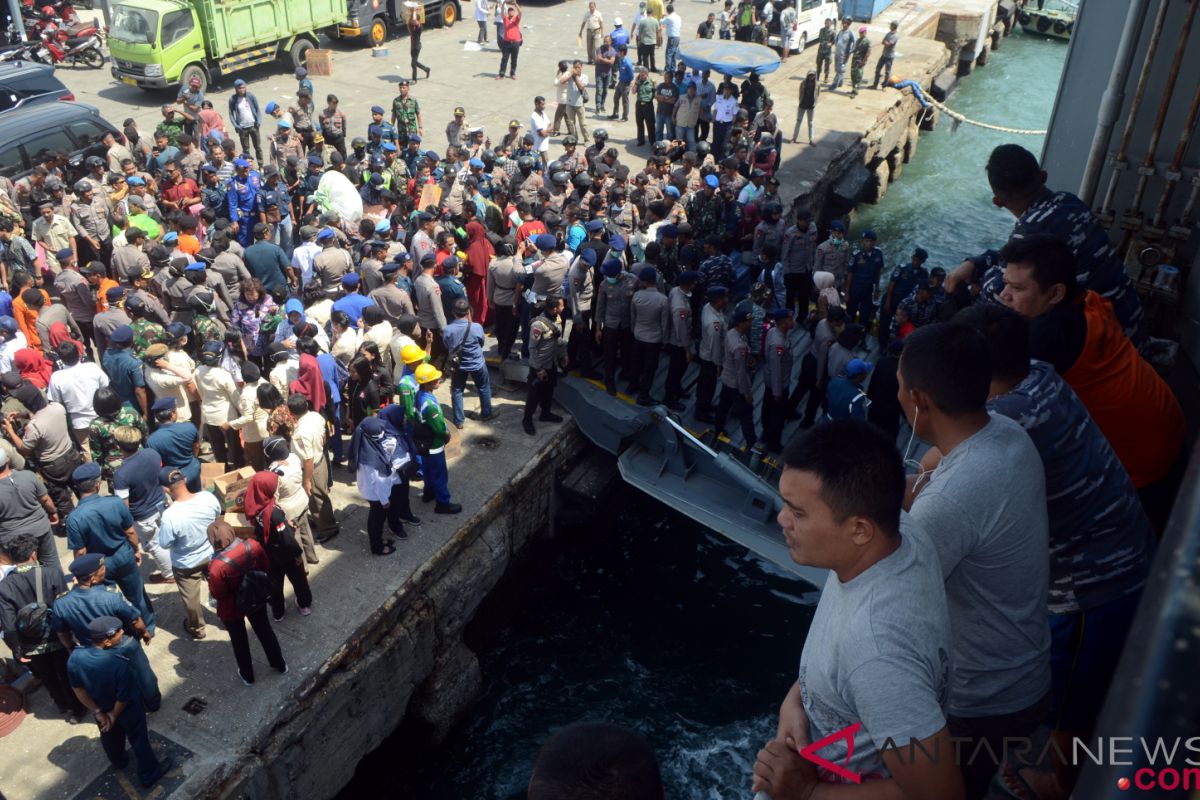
(847,734)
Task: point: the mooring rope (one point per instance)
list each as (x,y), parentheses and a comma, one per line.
(959,119)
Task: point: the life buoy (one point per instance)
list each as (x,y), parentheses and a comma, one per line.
(1024,17)
(1043,24)
(1060,27)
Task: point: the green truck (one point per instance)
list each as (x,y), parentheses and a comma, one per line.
(155,44)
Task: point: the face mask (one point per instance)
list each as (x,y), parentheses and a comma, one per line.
(611,280)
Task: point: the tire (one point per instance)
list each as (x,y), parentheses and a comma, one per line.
(92,57)
(299,52)
(803,43)
(193,71)
(1060,27)
(448,15)
(377,32)
(1043,24)
(1024,18)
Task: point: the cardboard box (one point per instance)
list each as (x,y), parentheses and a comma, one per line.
(230,488)
(319,62)
(241,524)
(209,473)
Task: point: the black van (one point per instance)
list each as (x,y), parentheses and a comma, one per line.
(28,134)
(27,83)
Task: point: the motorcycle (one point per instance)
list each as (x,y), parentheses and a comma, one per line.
(86,51)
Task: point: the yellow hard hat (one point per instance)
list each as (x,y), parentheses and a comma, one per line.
(427,373)
(411,354)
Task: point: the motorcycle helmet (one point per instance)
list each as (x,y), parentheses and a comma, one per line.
(561,177)
(525,163)
(358,143)
(488,156)
(600,135)
(703,149)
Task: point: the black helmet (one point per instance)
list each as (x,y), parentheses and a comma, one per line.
(525,163)
(569,139)
(488,156)
(582,181)
(555,166)
(358,142)
(82,186)
(703,149)
(562,176)
(600,134)
(660,148)
(94,161)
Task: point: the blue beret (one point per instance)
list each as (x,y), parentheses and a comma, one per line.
(870,235)
(617,242)
(717,291)
(414,137)
(171,237)
(376,179)
(177,330)
(672,191)
(164,404)
(315,159)
(450,262)
(391,148)
(389,268)
(86,565)
(690,276)
(102,628)
(712,181)
(780,313)
(271,106)
(135,180)
(376,109)
(64,254)
(350,279)
(611,268)
(195,266)
(648,275)
(209,168)
(383,226)
(283,123)
(325,234)
(544,241)
(86,472)
(402,257)
(595,225)
(433,154)
(213,346)
(589,257)
(668,230)
(476,163)
(122,335)
(241,162)
(837,225)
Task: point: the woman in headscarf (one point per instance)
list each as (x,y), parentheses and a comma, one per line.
(278,537)
(479,255)
(827,293)
(59,334)
(292,498)
(234,557)
(310,382)
(363,397)
(33,367)
(380,459)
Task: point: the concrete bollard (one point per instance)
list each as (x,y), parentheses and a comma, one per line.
(984,52)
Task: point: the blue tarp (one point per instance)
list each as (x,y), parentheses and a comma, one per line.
(735,59)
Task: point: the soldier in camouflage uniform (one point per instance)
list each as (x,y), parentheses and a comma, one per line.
(825,48)
(205,326)
(145,332)
(858,60)
(111,414)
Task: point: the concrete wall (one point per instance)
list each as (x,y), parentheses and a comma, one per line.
(407,658)
(1073,123)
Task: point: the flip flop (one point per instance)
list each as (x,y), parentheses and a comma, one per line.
(1024,790)
(387,549)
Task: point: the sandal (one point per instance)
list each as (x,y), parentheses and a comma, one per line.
(386,550)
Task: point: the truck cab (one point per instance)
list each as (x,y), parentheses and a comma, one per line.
(373,19)
(153,41)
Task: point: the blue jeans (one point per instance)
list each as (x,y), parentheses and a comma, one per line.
(437,477)
(672,52)
(458,382)
(281,234)
(603,81)
(726,35)
(688,134)
(664,126)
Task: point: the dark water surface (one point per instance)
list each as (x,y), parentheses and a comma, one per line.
(644,618)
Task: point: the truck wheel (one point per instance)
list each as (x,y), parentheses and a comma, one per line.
(300,52)
(193,71)
(377,32)
(448,15)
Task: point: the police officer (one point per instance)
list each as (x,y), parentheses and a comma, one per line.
(581,281)
(649,318)
(504,280)
(104,525)
(549,274)
(735,380)
(393,301)
(108,683)
(430,313)
(833,254)
(712,350)
(903,281)
(862,280)
(679,338)
(92,596)
(777,351)
(613,331)
(432,440)
(546,354)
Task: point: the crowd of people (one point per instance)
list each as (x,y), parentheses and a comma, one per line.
(195,296)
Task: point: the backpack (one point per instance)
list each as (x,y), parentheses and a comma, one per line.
(33,620)
(254,587)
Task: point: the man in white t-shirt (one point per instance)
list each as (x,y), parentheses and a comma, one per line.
(875,669)
(577,98)
(540,125)
(75,387)
(672,27)
(482,8)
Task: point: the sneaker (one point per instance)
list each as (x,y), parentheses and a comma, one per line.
(279,618)
(459,425)
(304,610)
(447,508)
(489,417)
(527,424)
(411,520)
(243,677)
(550,417)
(283,671)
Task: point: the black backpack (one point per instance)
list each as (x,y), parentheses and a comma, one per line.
(33,620)
(254,587)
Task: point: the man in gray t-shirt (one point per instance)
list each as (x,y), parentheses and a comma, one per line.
(875,670)
(984,509)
